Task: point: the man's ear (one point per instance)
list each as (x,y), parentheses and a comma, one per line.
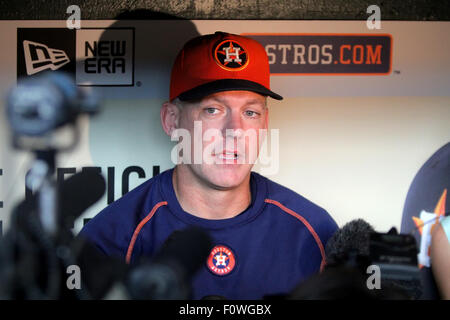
(170,115)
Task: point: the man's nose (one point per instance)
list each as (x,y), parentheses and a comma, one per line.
(233,125)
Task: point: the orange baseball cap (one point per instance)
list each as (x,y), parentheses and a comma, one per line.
(220,62)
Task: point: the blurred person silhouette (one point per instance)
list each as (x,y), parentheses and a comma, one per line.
(440,257)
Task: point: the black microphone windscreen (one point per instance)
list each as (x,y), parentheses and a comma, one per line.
(189,247)
(99,271)
(353,237)
(170,271)
(79,192)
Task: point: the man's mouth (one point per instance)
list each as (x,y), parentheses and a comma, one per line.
(228,155)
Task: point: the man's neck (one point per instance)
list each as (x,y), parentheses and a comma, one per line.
(206,202)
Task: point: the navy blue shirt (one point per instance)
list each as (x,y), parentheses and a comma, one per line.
(268,249)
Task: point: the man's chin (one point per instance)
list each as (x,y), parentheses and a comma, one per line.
(227,176)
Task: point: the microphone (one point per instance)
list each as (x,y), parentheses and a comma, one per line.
(75,195)
(349,243)
(78,193)
(101,275)
(168,275)
(347,255)
(35,255)
(356,246)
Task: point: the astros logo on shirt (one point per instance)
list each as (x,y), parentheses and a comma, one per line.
(221,260)
(230,55)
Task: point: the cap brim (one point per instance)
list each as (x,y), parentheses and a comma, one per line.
(226,85)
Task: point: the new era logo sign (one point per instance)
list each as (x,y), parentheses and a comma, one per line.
(94,56)
(39,57)
(105,57)
(45,49)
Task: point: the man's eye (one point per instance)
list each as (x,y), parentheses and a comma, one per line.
(250,113)
(211,110)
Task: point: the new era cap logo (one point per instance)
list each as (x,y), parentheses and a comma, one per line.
(39,57)
(93,56)
(230,55)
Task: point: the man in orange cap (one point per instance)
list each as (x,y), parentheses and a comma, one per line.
(266,237)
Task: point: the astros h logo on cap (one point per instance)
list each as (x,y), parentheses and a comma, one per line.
(230,55)
(220,62)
